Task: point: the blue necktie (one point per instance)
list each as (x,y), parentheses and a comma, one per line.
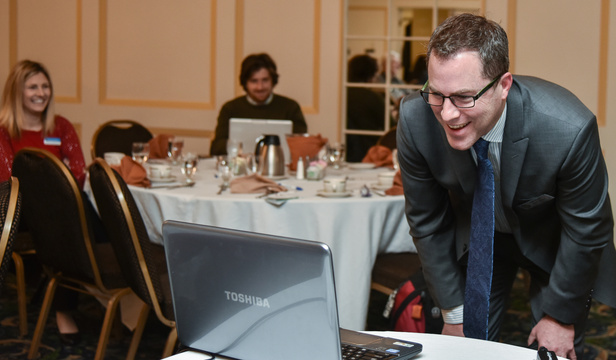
(479,270)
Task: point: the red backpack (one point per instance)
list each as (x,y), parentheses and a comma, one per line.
(411,309)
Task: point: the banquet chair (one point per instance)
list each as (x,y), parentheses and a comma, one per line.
(62,231)
(10,206)
(391,269)
(143,262)
(388,139)
(118,136)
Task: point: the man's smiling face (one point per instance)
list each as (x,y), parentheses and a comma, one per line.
(462,75)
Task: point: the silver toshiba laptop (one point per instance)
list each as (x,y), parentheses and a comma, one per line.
(253,296)
(248,131)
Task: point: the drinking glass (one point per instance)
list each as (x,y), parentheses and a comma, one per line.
(336,155)
(174,150)
(189,166)
(141,152)
(394,158)
(234,148)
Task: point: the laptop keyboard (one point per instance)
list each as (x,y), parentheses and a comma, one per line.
(352,352)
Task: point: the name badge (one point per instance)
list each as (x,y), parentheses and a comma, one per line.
(52,141)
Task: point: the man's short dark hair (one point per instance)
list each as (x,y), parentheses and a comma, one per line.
(255,62)
(469,32)
(362,68)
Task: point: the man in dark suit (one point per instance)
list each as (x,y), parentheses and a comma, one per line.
(552,213)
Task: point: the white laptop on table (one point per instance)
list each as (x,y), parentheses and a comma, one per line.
(246,295)
(247,131)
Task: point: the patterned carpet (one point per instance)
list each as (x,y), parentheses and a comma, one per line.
(601,333)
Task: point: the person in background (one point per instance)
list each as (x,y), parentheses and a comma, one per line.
(551,210)
(365,107)
(395,64)
(27,119)
(258,77)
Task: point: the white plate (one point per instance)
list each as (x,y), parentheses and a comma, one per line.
(361,166)
(283,195)
(328,194)
(166,180)
(377,186)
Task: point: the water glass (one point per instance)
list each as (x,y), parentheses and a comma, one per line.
(335,155)
(189,166)
(174,150)
(394,158)
(141,152)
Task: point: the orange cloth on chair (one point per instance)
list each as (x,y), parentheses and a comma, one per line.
(304,146)
(380,156)
(159,146)
(396,188)
(254,184)
(132,172)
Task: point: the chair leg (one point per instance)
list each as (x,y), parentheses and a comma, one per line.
(21,294)
(138,332)
(40,325)
(112,306)
(170,344)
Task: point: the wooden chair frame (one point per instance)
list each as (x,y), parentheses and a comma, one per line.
(113,296)
(172,338)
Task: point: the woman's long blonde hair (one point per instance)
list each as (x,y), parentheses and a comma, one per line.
(12,111)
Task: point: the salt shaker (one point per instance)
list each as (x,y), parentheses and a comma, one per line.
(300,169)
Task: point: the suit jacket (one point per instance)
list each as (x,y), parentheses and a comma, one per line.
(554,189)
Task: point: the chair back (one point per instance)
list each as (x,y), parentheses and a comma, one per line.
(10,209)
(142,262)
(118,136)
(388,139)
(55,212)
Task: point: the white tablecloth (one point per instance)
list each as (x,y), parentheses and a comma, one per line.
(356,228)
(435,347)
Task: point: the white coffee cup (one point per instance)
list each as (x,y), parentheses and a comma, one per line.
(160,171)
(113,158)
(386,178)
(336,185)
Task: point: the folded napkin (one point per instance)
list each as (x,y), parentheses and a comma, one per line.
(304,146)
(379,155)
(396,188)
(159,146)
(254,184)
(132,172)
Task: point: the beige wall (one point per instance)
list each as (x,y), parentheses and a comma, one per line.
(173,64)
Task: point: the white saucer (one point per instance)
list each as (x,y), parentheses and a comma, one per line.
(283,195)
(361,166)
(328,194)
(166,180)
(277,177)
(377,186)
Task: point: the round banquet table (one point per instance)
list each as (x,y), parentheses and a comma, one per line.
(356,228)
(435,347)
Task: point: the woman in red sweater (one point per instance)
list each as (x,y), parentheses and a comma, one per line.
(27,120)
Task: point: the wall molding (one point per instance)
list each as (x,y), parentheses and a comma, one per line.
(14,47)
(105,100)
(316,53)
(604,47)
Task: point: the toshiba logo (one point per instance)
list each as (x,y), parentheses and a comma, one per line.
(247,299)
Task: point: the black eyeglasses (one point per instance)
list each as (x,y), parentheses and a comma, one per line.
(459,101)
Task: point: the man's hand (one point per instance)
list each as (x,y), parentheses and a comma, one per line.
(554,336)
(453,329)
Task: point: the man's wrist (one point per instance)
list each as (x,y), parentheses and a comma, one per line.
(453,316)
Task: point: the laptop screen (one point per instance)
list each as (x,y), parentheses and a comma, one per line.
(252,296)
(248,131)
